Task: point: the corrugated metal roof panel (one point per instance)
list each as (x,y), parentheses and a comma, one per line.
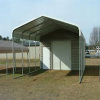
(6,47)
(41,26)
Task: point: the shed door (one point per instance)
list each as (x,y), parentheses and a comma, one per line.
(61,55)
(46,57)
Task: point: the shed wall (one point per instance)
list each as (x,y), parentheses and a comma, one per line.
(60,35)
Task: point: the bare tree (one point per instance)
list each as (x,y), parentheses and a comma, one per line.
(94,37)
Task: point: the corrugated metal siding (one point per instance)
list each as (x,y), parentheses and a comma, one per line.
(75,53)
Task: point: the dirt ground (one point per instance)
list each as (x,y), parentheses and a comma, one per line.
(53,85)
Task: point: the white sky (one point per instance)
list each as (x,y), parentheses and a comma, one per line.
(84,13)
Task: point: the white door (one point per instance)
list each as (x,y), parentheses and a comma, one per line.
(61,55)
(46,57)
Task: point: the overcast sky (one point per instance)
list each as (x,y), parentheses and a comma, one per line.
(84,13)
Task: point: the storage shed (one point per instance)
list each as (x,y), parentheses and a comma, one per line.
(62,44)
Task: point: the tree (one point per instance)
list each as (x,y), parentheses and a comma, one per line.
(17,40)
(0,37)
(86,46)
(95,37)
(6,38)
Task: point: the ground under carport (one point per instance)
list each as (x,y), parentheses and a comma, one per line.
(52,85)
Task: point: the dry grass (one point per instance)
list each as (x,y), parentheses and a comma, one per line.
(93,53)
(92,61)
(53,85)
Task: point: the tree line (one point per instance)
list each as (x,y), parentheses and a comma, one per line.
(17,40)
(4,38)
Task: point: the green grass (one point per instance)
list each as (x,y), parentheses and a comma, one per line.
(2,62)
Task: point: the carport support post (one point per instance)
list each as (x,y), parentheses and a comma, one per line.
(29,54)
(40,55)
(99,72)
(81,65)
(6,63)
(13,53)
(35,52)
(15,61)
(27,59)
(22,54)
(79,56)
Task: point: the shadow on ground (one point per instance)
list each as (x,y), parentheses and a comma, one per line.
(36,70)
(89,71)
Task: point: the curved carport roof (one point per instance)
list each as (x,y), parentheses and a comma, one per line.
(41,26)
(6,47)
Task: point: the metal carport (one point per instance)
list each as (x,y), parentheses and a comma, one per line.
(44,25)
(6,47)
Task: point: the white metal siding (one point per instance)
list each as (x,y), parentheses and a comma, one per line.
(46,58)
(61,55)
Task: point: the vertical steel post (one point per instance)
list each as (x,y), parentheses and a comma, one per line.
(6,63)
(22,54)
(79,57)
(81,64)
(99,51)
(27,60)
(29,54)
(35,52)
(13,53)
(99,72)
(40,55)
(15,61)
